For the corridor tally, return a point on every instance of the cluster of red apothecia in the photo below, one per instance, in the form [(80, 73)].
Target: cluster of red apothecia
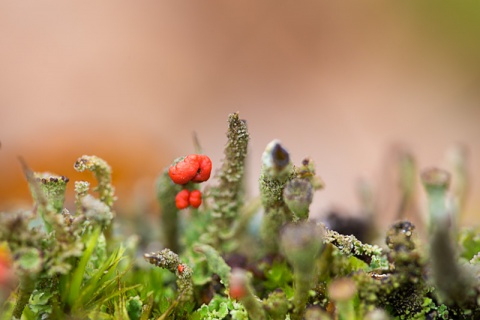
[(193, 168)]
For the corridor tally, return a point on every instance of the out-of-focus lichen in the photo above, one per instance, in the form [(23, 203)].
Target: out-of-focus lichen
[(301, 243), (227, 194), (215, 262), (166, 191), (81, 190), (407, 182), (342, 292), (298, 195), (240, 283), (457, 158), (455, 283), (167, 259), (276, 305)]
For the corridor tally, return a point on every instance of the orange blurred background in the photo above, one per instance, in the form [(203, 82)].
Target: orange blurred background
[(131, 81)]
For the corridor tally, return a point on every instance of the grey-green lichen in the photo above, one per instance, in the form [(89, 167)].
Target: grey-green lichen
[(351, 246), (167, 259), (215, 262), (286, 192), (53, 188), (102, 172), (277, 170), (227, 194)]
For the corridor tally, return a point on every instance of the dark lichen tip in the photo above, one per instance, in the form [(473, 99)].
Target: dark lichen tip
[(276, 159), (276, 156), (399, 236), (49, 178), (280, 156), (436, 178)]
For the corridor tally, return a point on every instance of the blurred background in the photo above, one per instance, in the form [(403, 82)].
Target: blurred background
[(344, 83)]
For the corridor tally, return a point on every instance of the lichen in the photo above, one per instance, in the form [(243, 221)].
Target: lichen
[(103, 173), (169, 260), (219, 260), (227, 193)]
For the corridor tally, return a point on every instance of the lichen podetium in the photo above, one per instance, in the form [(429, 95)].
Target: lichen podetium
[(227, 193)]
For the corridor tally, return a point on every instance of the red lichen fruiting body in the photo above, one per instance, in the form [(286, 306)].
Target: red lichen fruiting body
[(180, 268), (204, 170), (237, 291), (182, 199), (183, 171), (195, 198)]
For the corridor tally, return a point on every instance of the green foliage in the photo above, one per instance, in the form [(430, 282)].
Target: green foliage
[(279, 276), (469, 240), (221, 308)]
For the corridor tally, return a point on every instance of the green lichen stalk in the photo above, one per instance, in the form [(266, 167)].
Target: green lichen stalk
[(277, 170), (227, 194), (454, 282), (169, 260), (301, 244), (215, 262), (166, 191), (342, 291)]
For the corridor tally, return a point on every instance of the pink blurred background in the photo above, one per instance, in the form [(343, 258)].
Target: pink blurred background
[(131, 81)]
